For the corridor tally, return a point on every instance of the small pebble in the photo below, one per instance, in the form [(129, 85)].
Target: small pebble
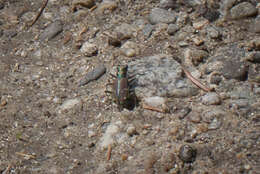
[(172, 29), (215, 79), (211, 99), (215, 124), (93, 75), (125, 31), (234, 69), (131, 130), (183, 112), (124, 157), (52, 30), (156, 102), (129, 49), (166, 4), (89, 49), (197, 41), (209, 115), (200, 24), (83, 3), (183, 44), (213, 33), (148, 29), (68, 104), (3, 103), (194, 117), (187, 153), (198, 56)]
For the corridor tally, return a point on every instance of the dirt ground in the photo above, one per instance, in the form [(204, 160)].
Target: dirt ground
[(51, 124)]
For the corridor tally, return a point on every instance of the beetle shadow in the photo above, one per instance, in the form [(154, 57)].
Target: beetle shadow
[(132, 101)]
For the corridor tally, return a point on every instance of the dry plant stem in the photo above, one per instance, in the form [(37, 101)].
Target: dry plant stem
[(25, 155), (195, 81), (93, 8), (145, 106), (109, 152), (39, 14)]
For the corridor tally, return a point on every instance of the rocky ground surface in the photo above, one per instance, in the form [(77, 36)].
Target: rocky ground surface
[(55, 116)]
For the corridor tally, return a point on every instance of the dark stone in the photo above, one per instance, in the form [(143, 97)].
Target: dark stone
[(187, 154), (211, 14)]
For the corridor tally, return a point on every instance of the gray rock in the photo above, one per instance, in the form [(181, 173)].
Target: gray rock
[(209, 115), (253, 73), (211, 99), (213, 32), (68, 104), (198, 56), (93, 75), (129, 49), (125, 31), (234, 69), (172, 28), (240, 103), (160, 75), (166, 4), (89, 49), (10, 33), (240, 93), (215, 79), (52, 30), (228, 61), (158, 15), (194, 117), (147, 30), (255, 26), (242, 10), (215, 124), (83, 3), (131, 130)]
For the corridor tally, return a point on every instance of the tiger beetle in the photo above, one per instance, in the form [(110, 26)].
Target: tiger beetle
[(122, 91)]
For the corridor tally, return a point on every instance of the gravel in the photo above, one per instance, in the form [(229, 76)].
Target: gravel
[(55, 116)]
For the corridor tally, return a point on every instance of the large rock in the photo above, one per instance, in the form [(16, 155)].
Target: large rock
[(242, 10), (158, 15), (160, 75)]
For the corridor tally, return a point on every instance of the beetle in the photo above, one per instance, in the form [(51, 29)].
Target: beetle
[(122, 91)]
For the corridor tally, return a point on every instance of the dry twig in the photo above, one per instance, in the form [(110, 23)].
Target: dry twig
[(145, 106), (40, 12), (26, 156), (195, 81), (109, 149)]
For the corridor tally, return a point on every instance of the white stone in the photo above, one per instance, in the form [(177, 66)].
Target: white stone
[(68, 104)]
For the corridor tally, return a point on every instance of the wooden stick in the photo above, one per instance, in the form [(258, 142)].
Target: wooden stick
[(145, 106), (109, 149), (39, 14), (195, 81), (26, 156)]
